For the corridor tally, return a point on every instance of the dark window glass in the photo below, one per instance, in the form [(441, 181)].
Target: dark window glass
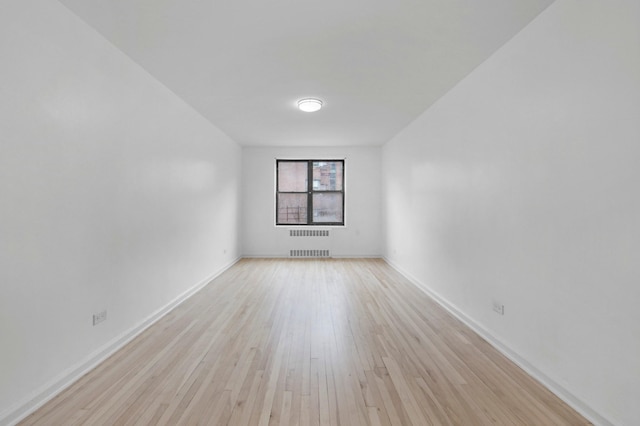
[(327, 175), (292, 176), (292, 208), (327, 208)]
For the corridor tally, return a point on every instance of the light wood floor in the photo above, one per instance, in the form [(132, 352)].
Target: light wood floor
[(309, 342)]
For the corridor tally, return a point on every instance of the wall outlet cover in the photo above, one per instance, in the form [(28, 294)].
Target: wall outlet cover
[(498, 307), (99, 317)]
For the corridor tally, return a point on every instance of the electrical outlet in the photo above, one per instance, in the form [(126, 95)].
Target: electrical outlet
[(498, 307), (99, 317)]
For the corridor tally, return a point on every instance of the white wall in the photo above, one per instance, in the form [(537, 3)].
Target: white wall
[(362, 234), (114, 194), (521, 186)]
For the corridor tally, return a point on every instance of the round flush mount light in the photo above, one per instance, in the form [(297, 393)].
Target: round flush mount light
[(309, 104)]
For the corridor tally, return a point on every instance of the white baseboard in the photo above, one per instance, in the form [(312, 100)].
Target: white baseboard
[(48, 391), (333, 256), (562, 393), (353, 256)]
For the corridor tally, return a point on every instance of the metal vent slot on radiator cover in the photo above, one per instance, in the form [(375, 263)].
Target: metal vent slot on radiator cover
[(308, 232), (309, 253)]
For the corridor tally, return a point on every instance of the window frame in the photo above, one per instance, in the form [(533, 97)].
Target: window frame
[(310, 191)]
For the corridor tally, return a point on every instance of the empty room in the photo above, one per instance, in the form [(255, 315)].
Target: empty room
[(319, 213)]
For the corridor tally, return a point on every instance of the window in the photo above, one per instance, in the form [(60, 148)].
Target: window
[(309, 192)]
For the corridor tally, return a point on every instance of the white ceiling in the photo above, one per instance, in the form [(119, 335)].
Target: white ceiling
[(243, 64)]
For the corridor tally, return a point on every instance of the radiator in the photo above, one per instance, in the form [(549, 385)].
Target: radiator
[(309, 253), (308, 232), (309, 243)]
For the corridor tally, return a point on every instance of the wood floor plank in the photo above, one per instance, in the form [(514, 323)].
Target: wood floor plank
[(307, 342)]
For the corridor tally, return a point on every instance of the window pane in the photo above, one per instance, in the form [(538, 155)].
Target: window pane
[(327, 208), (292, 176), (292, 208), (327, 175)]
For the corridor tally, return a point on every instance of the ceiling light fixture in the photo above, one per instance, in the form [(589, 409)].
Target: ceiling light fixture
[(309, 104)]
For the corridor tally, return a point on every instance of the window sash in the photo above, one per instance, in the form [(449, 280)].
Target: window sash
[(299, 214)]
